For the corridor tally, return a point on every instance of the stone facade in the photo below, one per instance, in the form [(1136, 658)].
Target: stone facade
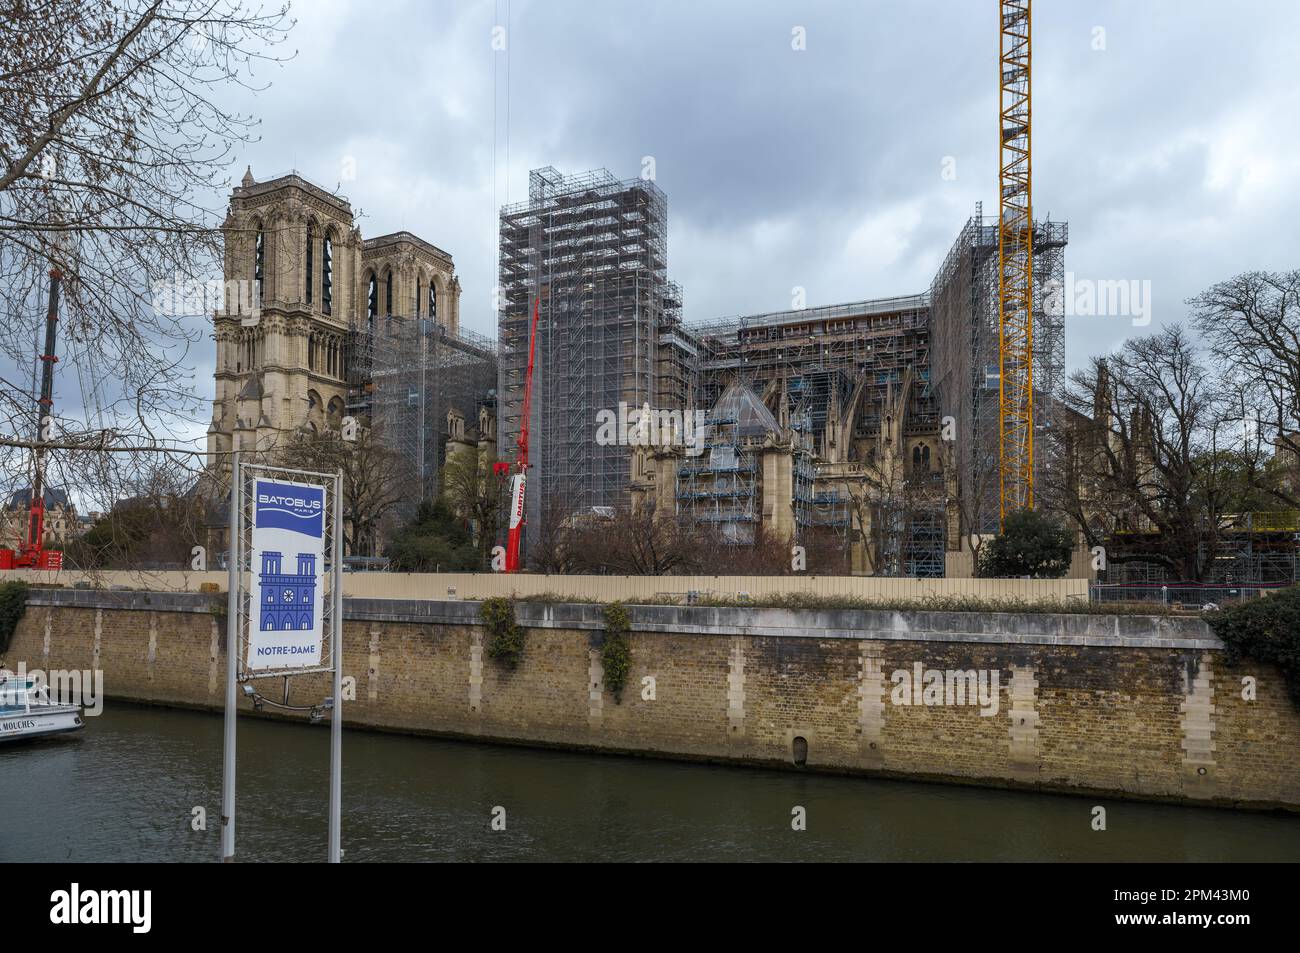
[(298, 278), (1128, 706)]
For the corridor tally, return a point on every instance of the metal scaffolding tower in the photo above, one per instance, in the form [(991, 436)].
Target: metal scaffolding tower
[(593, 249), (964, 326), (405, 375)]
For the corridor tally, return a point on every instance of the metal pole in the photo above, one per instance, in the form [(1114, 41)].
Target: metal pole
[(232, 664), (336, 651)]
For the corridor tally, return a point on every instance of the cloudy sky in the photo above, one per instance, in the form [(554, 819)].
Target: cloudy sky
[(1165, 132)]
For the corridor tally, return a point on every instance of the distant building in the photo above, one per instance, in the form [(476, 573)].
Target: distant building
[(62, 522)]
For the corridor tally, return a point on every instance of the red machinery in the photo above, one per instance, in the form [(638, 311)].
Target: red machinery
[(33, 554), (516, 531)]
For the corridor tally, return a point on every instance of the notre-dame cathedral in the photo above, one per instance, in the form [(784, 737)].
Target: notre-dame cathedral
[(282, 356)]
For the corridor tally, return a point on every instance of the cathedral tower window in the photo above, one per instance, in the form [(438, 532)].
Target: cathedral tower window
[(327, 274), (310, 238), (259, 258)]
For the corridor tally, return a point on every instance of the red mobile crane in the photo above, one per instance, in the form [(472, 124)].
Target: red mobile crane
[(33, 554), (516, 531)]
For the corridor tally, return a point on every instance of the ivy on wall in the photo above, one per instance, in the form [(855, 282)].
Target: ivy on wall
[(13, 603), (615, 652), (505, 641)]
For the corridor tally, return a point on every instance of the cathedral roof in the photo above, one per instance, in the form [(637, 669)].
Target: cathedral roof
[(21, 499), (249, 188), (252, 388), (376, 245), (741, 406)]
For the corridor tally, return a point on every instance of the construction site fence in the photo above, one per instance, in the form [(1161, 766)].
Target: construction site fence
[(684, 589), (1181, 594)]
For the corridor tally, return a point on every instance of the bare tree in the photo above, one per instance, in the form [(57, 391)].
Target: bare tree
[(635, 542), (1252, 326), (114, 151), (551, 543), (473, 489), (148, 522), (1153, 471), (376, 480), (711, 551), (972, 470)]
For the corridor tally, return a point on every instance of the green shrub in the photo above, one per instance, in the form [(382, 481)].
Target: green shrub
[(615, 652), (13, 603), (1030, 544), (505, 636), (1264, 630)]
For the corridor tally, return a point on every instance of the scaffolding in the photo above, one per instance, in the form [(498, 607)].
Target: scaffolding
[(964, 323), (405, 376), (593, 250), (723, 489), (924, 544), (820, 352), (1259, 548)]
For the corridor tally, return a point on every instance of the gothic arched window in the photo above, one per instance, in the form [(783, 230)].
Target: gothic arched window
[(433, 302), (259, 258), (372, 297), (388, 294), (327, 274), (310, 238)]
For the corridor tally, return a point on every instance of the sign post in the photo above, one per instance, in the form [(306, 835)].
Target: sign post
[(291, 526), (232, 668), (336, 713)]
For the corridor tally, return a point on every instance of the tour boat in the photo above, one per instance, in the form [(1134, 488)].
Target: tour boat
[(26, 710)]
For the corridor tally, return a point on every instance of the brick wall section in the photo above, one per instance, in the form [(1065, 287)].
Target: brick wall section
[(1114, 705)]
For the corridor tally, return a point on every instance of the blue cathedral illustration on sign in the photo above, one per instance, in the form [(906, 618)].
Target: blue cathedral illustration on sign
[(287, 598)]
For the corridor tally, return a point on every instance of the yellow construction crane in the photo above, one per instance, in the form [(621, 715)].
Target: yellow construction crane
[(1015, 265)]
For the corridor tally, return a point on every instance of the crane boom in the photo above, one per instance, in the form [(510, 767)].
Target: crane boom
[(32, 553), (517, 484), (1015, 264)]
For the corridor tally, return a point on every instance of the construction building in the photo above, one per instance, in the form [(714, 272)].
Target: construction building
[(825, 421), (848, 388), (964, 329), (426, 391), (591, 250)]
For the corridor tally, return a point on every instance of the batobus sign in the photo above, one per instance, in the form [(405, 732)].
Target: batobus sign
[(288, 561)]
